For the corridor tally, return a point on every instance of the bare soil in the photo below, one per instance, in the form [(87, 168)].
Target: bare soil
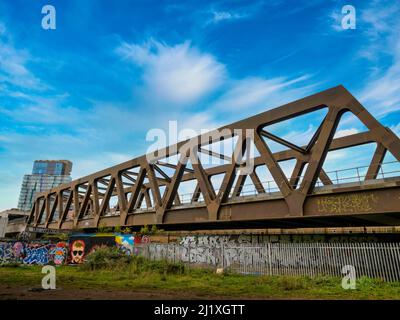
[(29, 293)]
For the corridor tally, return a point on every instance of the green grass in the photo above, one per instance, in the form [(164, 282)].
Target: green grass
[(158, 276)]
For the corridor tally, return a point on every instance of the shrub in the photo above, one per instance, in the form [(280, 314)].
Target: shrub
[(154, 229), (106, 258), (111, 258), (145, 230), (140, 264), (103, 228), (292, 283), (126, 230), (56, 237)]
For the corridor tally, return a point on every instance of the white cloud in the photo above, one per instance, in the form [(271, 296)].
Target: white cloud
[(396, 129), (179, 74), (200, 121), (219, 16), (42, 110), (336, 21), (383, 93), (90, 164), (337, 155), (379, 18), (13, 65), (345, 132), (254, 91), (116, 157), (300, 138)]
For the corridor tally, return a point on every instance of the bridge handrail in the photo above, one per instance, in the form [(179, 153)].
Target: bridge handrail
[(272, 189)]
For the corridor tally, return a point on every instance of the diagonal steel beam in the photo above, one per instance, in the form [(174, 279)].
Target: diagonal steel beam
[(376, 162), (215, 154), (282, 141)]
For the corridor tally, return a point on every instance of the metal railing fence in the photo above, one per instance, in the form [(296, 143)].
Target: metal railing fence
[(349, 175), (374, 260)]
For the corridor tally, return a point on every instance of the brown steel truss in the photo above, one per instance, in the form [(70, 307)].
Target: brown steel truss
[(138, 183)]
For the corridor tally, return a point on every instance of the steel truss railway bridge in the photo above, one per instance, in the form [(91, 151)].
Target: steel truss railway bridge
[(148, 190)]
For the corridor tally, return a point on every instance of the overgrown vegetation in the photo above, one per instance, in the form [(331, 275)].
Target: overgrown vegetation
[(56, 237), (145, 230), (141, 265), (109, 269), (124, 230), (103, 228), (111, 258), (181, 282), (106, 258)]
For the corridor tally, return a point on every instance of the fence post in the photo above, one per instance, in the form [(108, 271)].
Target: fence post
[(189, 255), (223, 255), (269, 258)]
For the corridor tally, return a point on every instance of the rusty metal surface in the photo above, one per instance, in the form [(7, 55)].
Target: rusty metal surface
[(138, 183)]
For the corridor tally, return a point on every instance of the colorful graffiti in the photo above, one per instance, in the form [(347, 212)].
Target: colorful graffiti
[(32, 253), (18, 249), (77, 251), (126, 243), (83, 244), (6, 253), (71, 252), (36, 255), (60, 253)]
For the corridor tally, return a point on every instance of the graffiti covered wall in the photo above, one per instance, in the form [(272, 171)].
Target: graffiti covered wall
[(80, 245), (208, 249), (33, 253), (218, 240), (83, 244), (73, 251)]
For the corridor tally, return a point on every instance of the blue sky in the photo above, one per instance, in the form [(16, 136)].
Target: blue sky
[(90, 90)]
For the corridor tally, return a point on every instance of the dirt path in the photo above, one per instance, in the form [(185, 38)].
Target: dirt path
[(29, 293)]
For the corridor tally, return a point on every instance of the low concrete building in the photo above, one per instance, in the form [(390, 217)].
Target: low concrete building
[(3, 226), (12, 222)]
